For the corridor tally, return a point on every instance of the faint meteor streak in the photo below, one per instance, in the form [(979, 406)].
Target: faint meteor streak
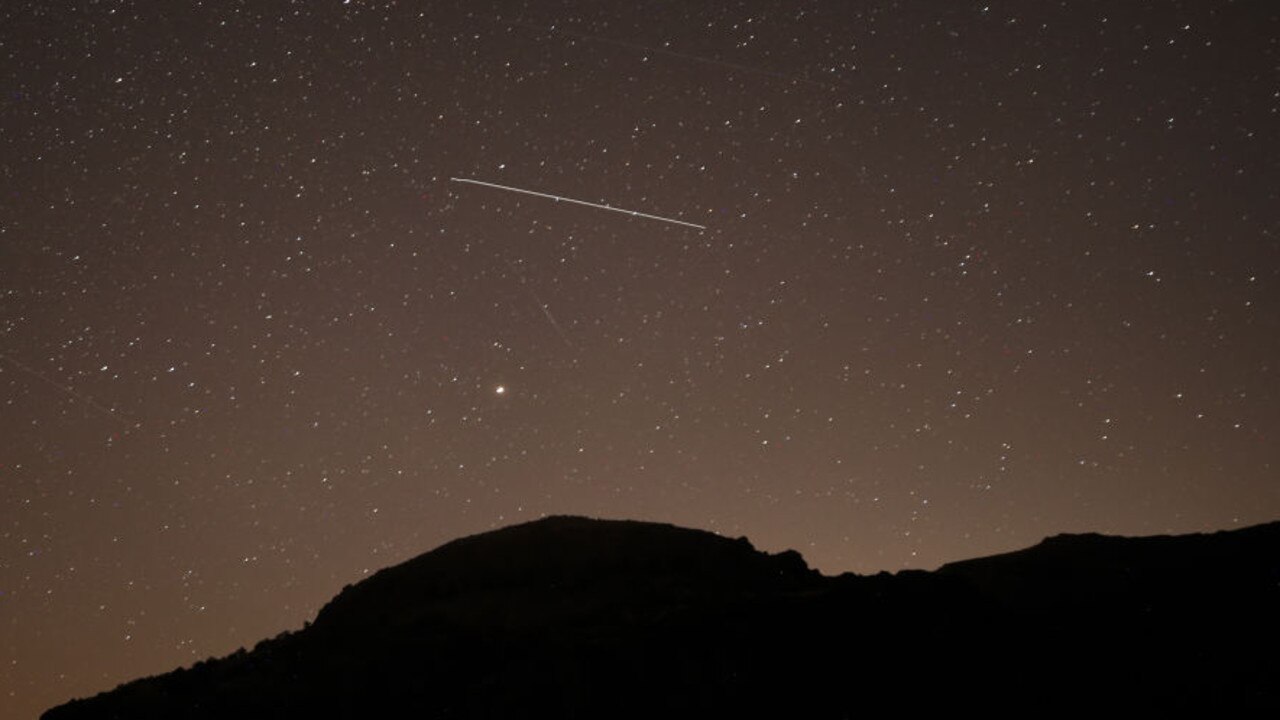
[(538, 301), (558, 198), (90, 402)]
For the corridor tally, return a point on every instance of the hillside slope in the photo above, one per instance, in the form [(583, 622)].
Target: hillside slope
[(571, 617)]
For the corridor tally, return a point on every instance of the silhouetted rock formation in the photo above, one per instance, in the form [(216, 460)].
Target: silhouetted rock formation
[(568, 617)]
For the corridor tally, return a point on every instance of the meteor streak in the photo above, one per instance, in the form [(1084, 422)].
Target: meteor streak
[(70, 392), (541, 305), (558, 198)]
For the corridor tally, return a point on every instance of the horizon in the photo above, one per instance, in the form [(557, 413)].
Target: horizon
[(1089, 591)]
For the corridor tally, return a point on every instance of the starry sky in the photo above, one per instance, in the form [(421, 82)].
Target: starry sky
[(967, 274)]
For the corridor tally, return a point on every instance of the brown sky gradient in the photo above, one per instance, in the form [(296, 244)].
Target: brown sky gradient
[(972, 274)]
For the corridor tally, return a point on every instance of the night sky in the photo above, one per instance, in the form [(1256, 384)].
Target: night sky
[(971, 274)]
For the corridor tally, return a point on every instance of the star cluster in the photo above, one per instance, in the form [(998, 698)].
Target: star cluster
[(971, 274)]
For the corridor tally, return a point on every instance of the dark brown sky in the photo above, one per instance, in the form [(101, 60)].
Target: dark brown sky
[(972, 274)]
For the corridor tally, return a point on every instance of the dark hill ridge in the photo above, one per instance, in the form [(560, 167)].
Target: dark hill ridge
[(570, 617), (1100, 570), (567, 561)]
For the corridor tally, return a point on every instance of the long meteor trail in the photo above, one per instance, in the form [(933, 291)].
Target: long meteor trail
[(558, 198)]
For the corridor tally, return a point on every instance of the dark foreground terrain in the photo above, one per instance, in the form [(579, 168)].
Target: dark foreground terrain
[(575, 618)]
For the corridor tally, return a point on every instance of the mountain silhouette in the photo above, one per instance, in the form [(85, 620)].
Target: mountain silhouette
[(570, 617)]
